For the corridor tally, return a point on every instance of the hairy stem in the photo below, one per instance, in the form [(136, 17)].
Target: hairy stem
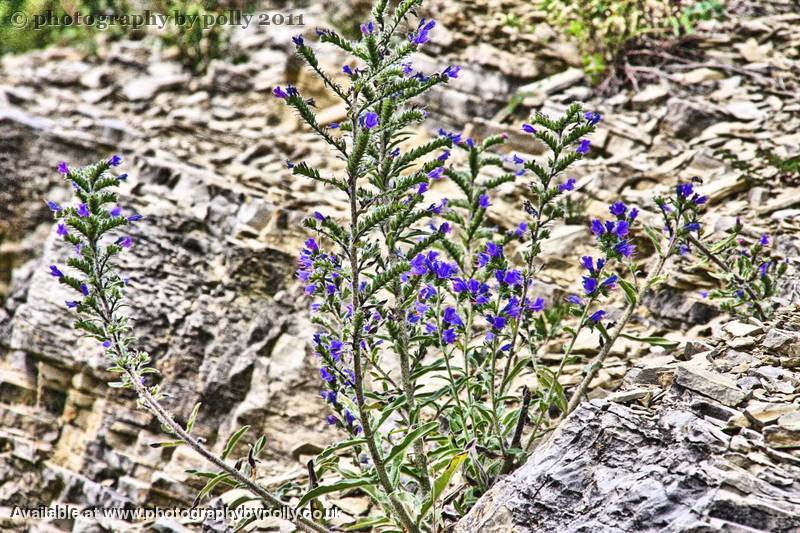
[(548, 397), (358, 371), (164, 417), (597, 363)]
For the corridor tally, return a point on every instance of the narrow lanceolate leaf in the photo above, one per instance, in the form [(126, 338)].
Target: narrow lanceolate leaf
[(386, 277), (377, 216), (655, 341), (193, 417), (232, 441), (339, 486), (441, 483), (167, 444), (418, 433), (630, 291), (216, 480)]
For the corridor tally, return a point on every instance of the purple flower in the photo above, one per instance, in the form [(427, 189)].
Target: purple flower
[(622, 228), (312, 245), (454, 137), (428, 291), (71, 304), (125, 242), (449, 336), (444, 228), (370, 120), (83, 211), (588, 263), (610, 282), (617, 209), (444, 156), (589, 285), (493, 249), (573, 299), (122, 177), (704, 294), (497, 322), (348, 417), (115, 161), (422, 32), (347, 70), (624, 248), (422, 188), (633, 214), (451, 317), (84, 289), (484, 201), (764, 240), (407, 68), (332, 420), (692, 226), (699, 200), (593, 117), (63, 168), (135, 218), (55, 272), (62, 230), (326, 375), (521, 229), (106, 344), (536, 305), (115, 212), (367, 28), (54, 207), (597, 316), (452, 71), (459, 285), (436, 173), (583, 147), (512, 308), (763, 269), (684, 189), (528, 128), (280, 93), (683, 249), (567, 185), (298, 40), (511, 277), (597, 227)]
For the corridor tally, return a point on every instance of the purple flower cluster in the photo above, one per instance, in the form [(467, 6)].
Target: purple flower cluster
[(424, 28), (612, 234)]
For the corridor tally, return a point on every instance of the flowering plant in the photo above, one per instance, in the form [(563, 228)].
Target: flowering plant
[(90, 227), (428, 330)]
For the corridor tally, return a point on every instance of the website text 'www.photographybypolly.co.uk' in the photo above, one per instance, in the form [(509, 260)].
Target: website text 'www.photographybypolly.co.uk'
[(147, 18), (142, 514)]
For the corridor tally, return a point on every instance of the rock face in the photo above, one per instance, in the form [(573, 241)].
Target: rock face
[(694, 456)]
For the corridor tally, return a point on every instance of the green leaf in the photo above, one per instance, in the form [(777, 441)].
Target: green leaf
[(232, 441), (655, 341), (418, 433), (193, 417), (167, 444), (213, 482), (339, 486), (330, 450), (630, 291), (441, 483)]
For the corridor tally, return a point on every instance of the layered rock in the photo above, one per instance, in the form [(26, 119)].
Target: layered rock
[(708, 444)]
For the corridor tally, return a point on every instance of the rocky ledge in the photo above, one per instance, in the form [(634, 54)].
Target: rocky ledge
[(708, 441)]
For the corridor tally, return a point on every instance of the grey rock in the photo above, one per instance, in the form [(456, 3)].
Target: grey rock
[(698, 376)]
